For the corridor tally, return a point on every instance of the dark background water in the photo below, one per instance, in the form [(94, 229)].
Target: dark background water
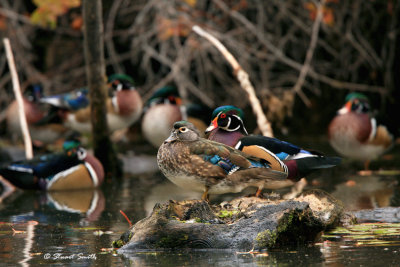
[(77, 228)]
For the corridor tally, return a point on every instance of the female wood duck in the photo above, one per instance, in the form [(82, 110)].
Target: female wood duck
[(163, 109), (72, 169), (227, 127), (202, 165), (41, 130), (124, 105), (353, 133)]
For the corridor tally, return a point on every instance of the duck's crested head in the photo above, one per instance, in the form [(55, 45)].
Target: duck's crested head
[(356, 102), (228, 110), (356, 95), (167, 94), (183, 131), (72, 147), (121, 81), (228, 118)]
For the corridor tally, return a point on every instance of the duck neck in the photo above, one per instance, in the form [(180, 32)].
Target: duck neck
[(225, 137)]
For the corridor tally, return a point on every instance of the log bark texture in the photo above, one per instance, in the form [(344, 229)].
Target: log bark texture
[(244, 223)]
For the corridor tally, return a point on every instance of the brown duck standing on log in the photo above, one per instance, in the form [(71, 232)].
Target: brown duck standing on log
[(202, 165)]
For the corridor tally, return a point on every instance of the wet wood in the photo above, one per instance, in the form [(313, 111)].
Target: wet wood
[(244, 223)]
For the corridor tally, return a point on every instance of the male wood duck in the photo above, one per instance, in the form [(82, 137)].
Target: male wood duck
[(227, 127), (124, 105), (46, 132), (354, 133), (74, 100), (163, 109), (202, 165), (72, 169)]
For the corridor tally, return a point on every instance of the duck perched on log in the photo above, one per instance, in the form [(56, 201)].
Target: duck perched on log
[(227, 127), (202, 165), (354, 133), (73, 168)]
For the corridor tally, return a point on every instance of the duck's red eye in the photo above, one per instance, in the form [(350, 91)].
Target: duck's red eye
[(223, 116)]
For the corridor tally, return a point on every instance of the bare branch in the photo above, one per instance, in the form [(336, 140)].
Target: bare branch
[(306, 67), (20, 101), (243, 78)]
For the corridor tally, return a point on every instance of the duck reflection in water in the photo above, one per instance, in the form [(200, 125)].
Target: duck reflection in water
[(83, 206)]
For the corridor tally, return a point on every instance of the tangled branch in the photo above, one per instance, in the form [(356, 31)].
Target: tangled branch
[(287, 48)]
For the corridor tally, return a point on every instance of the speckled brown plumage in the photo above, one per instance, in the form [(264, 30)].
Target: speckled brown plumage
[(181, 158)]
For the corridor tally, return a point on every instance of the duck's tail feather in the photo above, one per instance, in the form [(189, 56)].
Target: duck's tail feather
[(301, 167)]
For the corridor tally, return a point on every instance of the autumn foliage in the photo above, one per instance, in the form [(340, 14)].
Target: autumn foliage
[(47, 11)]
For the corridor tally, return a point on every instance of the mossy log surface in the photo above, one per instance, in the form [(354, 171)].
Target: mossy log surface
[(243, 223)]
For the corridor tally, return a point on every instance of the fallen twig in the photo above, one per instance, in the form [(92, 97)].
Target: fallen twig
[(126, 217)]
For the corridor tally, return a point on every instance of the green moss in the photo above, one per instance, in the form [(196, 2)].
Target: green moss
[(227, 213), (266, 239), (286, 221), (198, 220), (173, 241), (290, 231), (117, 243), (124, 239)]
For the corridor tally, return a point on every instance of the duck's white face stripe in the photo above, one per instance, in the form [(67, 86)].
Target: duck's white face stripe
[(93, 174), (237, 128), (228, 124), (81, 153), (115, 103), (343, 111), (373, 129), (241, 124)]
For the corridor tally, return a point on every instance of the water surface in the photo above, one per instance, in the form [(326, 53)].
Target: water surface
[(77, 228)]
